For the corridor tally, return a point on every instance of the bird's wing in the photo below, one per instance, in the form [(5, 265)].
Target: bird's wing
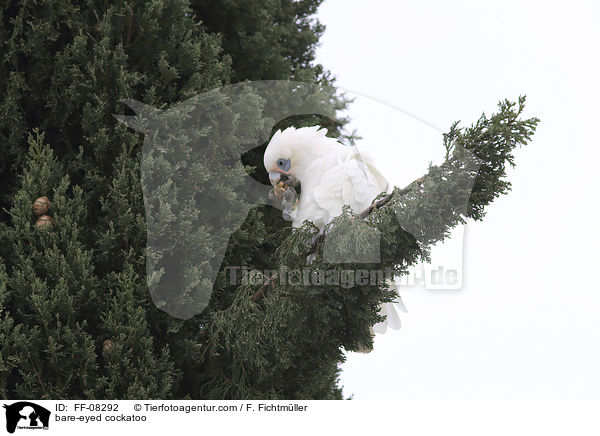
[(369, 162), (349, 182)]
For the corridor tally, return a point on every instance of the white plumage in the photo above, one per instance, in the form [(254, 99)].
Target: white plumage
[(331, 175)]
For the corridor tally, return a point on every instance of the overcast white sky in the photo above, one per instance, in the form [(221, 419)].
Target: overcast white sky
[(525, 324)]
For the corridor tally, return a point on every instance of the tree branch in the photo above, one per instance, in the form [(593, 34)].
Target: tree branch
[(380, 203), (37, 373), (259, 295)]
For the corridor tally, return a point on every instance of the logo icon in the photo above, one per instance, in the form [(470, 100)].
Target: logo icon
[(26, 415)]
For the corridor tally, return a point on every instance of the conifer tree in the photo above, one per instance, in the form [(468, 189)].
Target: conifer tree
[(76, 316)]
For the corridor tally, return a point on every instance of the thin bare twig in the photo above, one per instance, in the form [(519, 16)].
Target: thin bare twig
[(258, 295), (37, 374)]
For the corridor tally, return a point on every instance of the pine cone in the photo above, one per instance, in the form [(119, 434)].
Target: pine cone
[(41, 206), (44, 222), (107, 345)]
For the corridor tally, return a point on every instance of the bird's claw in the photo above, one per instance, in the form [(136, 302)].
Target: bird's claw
[(285, 192)]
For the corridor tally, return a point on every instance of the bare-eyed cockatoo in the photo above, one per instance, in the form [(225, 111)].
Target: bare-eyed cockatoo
[(331, 175)]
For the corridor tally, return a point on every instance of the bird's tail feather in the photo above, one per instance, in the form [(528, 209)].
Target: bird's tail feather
[(392, 319)]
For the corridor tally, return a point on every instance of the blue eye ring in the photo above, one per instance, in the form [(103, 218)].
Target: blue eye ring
[(284, 164)]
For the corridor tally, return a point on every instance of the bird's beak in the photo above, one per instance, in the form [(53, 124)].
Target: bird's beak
[(274, 177)]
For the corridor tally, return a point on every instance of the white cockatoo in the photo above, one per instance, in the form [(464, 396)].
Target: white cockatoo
[(331, 175)]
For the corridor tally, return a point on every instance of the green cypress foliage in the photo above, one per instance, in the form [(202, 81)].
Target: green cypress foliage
[(52, 285), (76, 316), (267, 40)]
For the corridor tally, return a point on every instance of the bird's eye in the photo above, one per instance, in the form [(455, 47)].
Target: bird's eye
[(284, 164)]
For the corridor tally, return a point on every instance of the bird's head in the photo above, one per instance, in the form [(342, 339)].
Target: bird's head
[(290, 152)]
